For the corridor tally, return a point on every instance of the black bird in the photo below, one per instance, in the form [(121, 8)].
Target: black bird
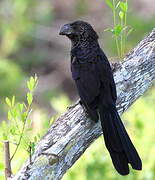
[(96, 87)]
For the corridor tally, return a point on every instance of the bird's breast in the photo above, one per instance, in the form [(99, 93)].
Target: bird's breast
[(79, 70)]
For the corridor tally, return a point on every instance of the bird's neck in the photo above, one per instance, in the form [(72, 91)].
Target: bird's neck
[(85, 49)]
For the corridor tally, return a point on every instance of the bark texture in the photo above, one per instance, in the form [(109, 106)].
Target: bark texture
[(73, 132)]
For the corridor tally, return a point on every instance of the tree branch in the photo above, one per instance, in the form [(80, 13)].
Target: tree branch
[(8, 171), (73, 132)]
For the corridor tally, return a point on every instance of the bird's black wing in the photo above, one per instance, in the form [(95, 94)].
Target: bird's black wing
[(88, 84), (106, 76)]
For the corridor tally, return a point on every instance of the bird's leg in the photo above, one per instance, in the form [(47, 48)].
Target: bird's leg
[(79, 102), (84, 108)]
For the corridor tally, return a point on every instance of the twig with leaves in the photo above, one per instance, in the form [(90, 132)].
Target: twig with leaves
[(19, 122), (120, 28)]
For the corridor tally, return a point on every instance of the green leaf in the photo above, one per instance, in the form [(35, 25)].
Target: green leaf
[(117, 30), (35, 139), (117, 5), (32, 81), (5, 128), (29, 122), (8, 102), (32, 145), (108, 29), (5, 136), (13, 101), (124, 6), (52, 120), (29, 86), (29, 98), (121, 15), (14, 112), (110, 4), (36, 78), (24, 116), (13, 131), (9, 115), (20, 107), (129, 32)]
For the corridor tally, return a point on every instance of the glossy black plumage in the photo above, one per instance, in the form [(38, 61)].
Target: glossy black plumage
[(96, 87)]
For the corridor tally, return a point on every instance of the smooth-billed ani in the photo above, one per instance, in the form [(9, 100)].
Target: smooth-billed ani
[(96, 87)]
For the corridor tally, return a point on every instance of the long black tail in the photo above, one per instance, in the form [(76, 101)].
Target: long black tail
[(117, 141)]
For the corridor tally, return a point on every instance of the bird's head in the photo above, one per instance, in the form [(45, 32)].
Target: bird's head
[(79, 31)]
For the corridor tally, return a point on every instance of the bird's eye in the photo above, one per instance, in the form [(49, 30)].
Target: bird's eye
[(74, 28), (78, 29), (81, 29)]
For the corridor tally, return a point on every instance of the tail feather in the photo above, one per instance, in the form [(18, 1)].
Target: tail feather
[(118, 142), (120, 162), (128, 146)]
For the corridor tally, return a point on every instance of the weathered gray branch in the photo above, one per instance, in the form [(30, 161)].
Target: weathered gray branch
[(73, 132)]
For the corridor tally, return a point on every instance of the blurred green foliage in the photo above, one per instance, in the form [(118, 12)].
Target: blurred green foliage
[(18, 19), (9, 80), (120, 29), (140, 28)]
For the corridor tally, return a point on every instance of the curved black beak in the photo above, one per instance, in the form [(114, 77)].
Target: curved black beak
[(66, 30)]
